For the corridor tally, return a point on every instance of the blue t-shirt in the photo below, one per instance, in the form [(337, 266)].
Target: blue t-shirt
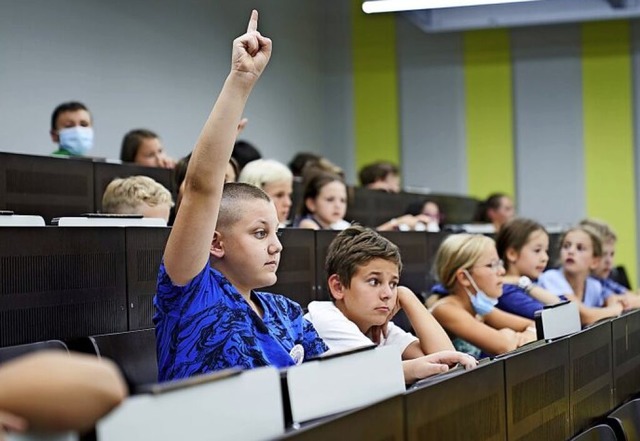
[(553, 280), (516, 301), (612, 286), (207, 326)]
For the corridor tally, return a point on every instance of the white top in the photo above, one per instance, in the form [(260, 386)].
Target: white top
[(341, 334)]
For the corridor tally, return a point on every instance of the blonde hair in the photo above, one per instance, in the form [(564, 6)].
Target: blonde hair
[(592, 232), (264, 171), (125, 195), (605, 231), (458, 251)]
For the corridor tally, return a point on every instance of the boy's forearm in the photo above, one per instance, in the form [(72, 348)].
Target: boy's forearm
[(216, 140), (432, 336)]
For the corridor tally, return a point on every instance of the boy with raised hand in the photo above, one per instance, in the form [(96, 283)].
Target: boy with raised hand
[(364, 270), (223, 245)]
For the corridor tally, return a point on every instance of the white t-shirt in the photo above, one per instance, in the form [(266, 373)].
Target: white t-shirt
[(341, 334)]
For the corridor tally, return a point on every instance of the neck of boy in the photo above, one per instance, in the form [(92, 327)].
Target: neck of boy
[(363, 327)]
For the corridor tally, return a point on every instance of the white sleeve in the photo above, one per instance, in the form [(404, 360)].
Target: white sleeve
[(554, 282), (397, 336), (338, 332)]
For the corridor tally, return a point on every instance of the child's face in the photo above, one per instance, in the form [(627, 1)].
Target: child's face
[(280, 193), (372, 295), (488, 272), (504, 212), (603, 270), (251, 246), (150, 152), (576, 253), (532, 258), (330, 205)]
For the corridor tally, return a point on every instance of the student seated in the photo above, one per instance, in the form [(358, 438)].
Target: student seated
[(604, 268), (52, 391), (72, 129), (364, 270), (522, 245), (137, 195), (143, 147), (580, 253), (497, 209), (381, 175), (222, 247), (275, 179), (180, 172), (324, 202), (471, 273)]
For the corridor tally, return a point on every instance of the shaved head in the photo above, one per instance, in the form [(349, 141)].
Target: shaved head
[(233, 205)]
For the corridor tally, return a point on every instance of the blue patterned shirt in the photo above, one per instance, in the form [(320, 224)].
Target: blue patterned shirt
[(207, 326)]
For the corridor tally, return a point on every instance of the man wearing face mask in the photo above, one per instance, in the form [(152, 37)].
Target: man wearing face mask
[(72, 129)]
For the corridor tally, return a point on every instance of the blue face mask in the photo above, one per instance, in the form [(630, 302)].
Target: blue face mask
[(482, 303), (76, 140)]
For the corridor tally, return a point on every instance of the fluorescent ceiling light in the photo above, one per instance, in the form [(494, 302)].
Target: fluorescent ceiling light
[(374, 6)]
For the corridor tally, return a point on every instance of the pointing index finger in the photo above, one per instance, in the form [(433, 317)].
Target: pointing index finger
[(253, 22)]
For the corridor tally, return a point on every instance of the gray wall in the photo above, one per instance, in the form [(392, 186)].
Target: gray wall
[(159, 64)]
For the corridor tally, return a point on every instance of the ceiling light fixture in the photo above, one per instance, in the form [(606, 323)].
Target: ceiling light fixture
[(376, 6)]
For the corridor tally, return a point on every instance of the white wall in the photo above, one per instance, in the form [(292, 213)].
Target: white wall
[(159, 64)]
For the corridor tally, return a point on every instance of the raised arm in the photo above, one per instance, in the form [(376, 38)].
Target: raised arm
[(187, 250), (431, 335)]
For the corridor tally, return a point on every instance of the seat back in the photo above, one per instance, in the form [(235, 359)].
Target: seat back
[(134, 352), (10, 352), (601, 432), (626, 419)]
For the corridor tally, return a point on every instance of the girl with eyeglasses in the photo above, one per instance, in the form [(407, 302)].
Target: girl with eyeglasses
[(468, 267)]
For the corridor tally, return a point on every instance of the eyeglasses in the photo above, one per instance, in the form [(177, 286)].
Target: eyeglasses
[(494, 266)]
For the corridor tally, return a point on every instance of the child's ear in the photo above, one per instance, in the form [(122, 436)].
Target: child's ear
[(595, 262), (511, 254), (310, 203), (462, 278), (336, 287), (217, 246)]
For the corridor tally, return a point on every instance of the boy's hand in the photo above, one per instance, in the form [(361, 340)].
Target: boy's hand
[(452, 358), (251, 51)]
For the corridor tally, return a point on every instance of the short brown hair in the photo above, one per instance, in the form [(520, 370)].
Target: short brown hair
[(356, 246), (378, 171), (515, 234), (132, 142)]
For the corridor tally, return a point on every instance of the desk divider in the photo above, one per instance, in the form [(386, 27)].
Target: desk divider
[(327, 386), (246, 406), (467, 405)]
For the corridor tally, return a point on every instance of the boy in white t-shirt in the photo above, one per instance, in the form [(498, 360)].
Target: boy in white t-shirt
[(364, 271)]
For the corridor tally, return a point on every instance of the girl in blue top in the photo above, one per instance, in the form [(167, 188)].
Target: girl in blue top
[(523, 245)]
